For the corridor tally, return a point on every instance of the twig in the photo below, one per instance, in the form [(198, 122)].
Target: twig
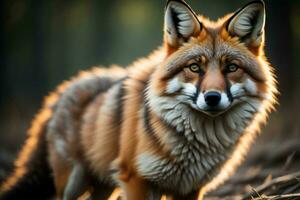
[(287, 179), (279, 197)]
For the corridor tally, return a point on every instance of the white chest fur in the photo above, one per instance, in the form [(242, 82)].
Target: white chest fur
[(199, 145)]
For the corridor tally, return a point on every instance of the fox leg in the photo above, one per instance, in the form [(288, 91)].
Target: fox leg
[(134, 188), (101, 191), (154, 194), (61, 172), (137, 189), (201, 194), (191, 196), (78, 183)]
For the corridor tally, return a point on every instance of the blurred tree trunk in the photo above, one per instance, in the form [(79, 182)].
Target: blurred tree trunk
[(103, 11), (279, 31), (2, 52), (38, 17)]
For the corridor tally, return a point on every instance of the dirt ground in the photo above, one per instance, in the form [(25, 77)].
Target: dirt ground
[(271, 171)]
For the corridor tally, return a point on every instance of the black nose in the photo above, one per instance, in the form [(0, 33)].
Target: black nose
[(212, 98)]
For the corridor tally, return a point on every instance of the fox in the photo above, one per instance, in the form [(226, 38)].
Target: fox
[(173, 125)]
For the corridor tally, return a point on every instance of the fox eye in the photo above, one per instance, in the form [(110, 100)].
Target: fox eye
[(231, 68), (195, 68)]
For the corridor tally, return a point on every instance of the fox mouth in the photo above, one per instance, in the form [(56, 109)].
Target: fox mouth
[(210, 111), (213, 112)]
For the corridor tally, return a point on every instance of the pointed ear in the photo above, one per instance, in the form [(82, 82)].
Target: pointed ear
[(248, 24), (181, 23)]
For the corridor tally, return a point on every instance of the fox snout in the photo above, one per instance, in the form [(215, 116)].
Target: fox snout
[(213, 102), (212, 98)]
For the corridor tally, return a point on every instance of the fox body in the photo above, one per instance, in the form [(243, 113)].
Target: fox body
[(177, 123)]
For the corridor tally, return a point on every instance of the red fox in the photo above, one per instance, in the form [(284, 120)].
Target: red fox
[(175, 124)]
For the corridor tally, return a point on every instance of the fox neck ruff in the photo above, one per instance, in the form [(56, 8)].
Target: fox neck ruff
[(199, 144)]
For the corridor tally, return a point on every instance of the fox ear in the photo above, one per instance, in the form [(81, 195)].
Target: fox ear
[(181, 23), (248, 24)]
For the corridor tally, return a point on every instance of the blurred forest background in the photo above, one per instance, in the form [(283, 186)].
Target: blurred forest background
[(43, 43)]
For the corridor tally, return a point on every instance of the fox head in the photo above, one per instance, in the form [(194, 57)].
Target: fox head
[(212, 66)]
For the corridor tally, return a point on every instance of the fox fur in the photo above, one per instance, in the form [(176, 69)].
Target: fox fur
[(177, 123)]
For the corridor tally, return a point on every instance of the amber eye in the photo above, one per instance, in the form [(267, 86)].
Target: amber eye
[(194, 68), (232, 68)]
